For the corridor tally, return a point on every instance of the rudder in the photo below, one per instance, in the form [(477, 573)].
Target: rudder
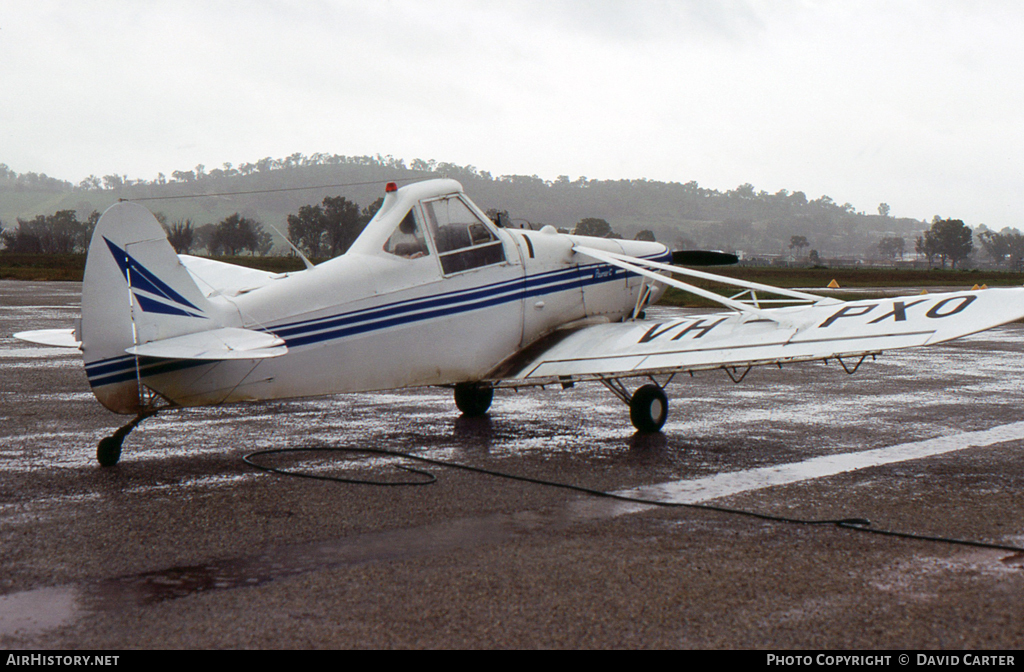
[(135, 290)]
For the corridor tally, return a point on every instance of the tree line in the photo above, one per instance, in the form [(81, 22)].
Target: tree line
[(950, 241), (63, 233), (59, 233), (321, 230), (1004, 246), (328, 229), (261, 167)]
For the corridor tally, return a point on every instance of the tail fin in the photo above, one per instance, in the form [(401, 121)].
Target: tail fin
[(135, 291)]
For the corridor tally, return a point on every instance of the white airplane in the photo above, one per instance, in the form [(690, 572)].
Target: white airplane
[(433, 293)]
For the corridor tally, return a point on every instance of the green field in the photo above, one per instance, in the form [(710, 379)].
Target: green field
[(72, 266), (870, 277), (816, 280), (41, 266)]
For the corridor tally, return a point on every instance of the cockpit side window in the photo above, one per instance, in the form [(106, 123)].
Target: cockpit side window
[(462, 240), (408, 241)]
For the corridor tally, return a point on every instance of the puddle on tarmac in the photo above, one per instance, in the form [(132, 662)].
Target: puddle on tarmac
[(153, 587), (34, 612)]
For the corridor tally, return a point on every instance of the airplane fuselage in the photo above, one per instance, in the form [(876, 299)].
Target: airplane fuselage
[(380, 318)]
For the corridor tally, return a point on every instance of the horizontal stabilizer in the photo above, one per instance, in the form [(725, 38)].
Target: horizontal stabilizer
[(58, 338), (216, 344)]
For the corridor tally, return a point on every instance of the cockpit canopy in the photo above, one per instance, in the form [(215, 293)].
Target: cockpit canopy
[(439, 221)]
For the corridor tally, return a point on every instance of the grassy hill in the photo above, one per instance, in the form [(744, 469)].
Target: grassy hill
[(682, 215)]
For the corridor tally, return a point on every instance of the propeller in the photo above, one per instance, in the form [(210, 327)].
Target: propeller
[(703, 258)]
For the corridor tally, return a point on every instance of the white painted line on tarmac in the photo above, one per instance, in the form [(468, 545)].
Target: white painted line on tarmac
[(731, 483)]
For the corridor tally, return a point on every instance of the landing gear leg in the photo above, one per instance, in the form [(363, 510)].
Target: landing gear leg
[(108, 452), (473, 399)]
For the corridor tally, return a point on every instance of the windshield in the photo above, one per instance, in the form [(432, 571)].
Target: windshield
[(462, 239)]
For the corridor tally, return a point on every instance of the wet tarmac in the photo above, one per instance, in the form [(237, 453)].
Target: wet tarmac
[(184, 545)]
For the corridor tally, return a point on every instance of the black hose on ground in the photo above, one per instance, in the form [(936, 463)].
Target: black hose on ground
[(856, 524)]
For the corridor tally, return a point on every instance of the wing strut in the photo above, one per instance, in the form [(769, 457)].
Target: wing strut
[(643, 266)]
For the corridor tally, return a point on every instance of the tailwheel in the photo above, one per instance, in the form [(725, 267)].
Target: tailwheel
[(108, 452), (473, 399), (648, 409)]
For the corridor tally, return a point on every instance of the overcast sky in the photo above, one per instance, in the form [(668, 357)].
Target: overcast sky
[(919, 104)]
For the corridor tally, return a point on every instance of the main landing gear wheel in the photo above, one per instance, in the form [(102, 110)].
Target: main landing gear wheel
[(648, 409), (473, 400)]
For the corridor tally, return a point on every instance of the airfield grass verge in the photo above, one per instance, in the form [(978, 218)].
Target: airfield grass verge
[(41, 266), (821, 276), (866, 283), (72, 266)]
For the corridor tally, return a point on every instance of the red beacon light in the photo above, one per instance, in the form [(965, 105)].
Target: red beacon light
[(391, 186)]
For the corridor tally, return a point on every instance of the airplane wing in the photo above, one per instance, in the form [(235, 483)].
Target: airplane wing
[(711, 341), (751, 335)]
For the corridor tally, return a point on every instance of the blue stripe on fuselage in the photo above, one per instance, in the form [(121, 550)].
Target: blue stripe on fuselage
[(307, 332)]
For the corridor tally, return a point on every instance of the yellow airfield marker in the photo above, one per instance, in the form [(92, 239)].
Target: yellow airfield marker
[(833, 284)]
